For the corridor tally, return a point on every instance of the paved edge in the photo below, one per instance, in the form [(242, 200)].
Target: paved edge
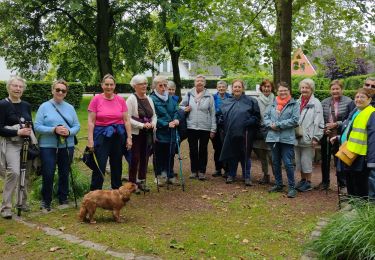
[(85, 243)]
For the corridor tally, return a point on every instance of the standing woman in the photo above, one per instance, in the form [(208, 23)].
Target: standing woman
[(241, 121), (311, 126), (167, 121), (108, 132), (335, 111), (57, 124), (201, 125), (261, 149), (14, 114), (280, 119), (143, 122), (359, 132)]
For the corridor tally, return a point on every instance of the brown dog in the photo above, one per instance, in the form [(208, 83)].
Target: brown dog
[(113, 200)]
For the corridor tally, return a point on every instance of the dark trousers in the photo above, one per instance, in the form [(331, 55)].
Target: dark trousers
[(357, 183), (245, 165), (49, 158), (198, 141), (217, 144), (139, 157), (111, 147), (327, 149), (164, 155)]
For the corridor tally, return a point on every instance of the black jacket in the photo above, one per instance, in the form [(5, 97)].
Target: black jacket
[(239, 115)]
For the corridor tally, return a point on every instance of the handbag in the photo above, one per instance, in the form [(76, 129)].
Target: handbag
[(345, 155), (33, 152), (66, 121), (299, 131)]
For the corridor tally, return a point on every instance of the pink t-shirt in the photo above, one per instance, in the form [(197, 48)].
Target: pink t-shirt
[(108, 112)]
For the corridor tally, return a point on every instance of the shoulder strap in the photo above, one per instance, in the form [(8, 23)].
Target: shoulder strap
[(66, 121)]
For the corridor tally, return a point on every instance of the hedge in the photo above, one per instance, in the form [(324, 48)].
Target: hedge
[(38, 92), (120, 88), (322, 94)]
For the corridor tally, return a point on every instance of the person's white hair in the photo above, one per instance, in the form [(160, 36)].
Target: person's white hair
[(157, 80), (16, 78), (308, 82), (137, 79), (171, 84), (200, 76)]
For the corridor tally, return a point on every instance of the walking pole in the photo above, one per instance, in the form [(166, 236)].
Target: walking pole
[(246, 132), (169, 157), (180, 160), (154, 162), (329, 162), (71, 174), (23, 166)]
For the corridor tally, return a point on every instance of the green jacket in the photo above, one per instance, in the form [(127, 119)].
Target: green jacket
[(166, 111)]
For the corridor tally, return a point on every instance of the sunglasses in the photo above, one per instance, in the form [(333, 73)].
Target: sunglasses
[(369, 85), (60, 90)]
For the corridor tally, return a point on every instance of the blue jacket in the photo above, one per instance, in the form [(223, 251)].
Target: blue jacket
[(47, 119), (286, 123), (218, 100), (166, 111)]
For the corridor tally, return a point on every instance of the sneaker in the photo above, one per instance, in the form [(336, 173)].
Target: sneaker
[(201, 176), (173, 181), (217, 173), (265, 179), (230, 179), (226, 174), (143, 187), (160, 181), (193, 175), (305, 187), (276, 188), (322, 186), (63, 205), (45, 209), (292, 193), (248, 182), (24, 208), (7, 214), (300, 184)]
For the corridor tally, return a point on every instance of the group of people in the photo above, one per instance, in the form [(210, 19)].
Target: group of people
[(273, 125)]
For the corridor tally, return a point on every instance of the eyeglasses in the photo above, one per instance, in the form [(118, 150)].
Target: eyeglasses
[(141, 84), (361, 97), (60, 90), (17, 86), (369, 85)]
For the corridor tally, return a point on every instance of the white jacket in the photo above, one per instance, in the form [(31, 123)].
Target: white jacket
[(132, 104)]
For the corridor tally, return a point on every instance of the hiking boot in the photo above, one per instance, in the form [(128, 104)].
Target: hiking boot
[(202, 176), (193, 175), (265, 179), (7, 214), (322, 186), (292, 193), (230, 179), (276, 188), (217, 173), (300, 184), (305, 187), (248, 182)]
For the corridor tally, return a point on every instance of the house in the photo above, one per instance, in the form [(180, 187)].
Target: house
[(5, 73), (301, 65), (188, 70)]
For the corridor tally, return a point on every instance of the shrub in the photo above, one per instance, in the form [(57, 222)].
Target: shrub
[(38, 92), (322, 94), (81, 185), (356, 82), (348, 235), (120, 88)]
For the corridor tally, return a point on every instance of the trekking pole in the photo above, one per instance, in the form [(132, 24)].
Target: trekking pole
[(23, 166), (246, 131), (71, 174), (154, 162), (169, 157), (180, 160), (329, 161)]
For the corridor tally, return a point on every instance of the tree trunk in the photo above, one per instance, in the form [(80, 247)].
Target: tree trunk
[(102, 41), (175, 56), (285, 40)]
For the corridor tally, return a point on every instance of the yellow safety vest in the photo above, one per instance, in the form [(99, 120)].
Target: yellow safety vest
[(357, 142)]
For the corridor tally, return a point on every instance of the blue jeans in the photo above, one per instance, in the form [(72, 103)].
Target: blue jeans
[(233, 164), (49, 158), (371, 185), (284, 152)]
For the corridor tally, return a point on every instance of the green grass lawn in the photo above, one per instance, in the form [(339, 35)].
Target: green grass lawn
[(210, 220)]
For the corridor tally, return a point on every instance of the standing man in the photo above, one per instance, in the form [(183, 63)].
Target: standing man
[(217, 141)]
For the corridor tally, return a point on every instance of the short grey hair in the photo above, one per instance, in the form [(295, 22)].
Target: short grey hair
[(171, 84), (16, 78), (138, 79), (222, 82), (157, 80), (370, 78), (308, 82), (200, 76)]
